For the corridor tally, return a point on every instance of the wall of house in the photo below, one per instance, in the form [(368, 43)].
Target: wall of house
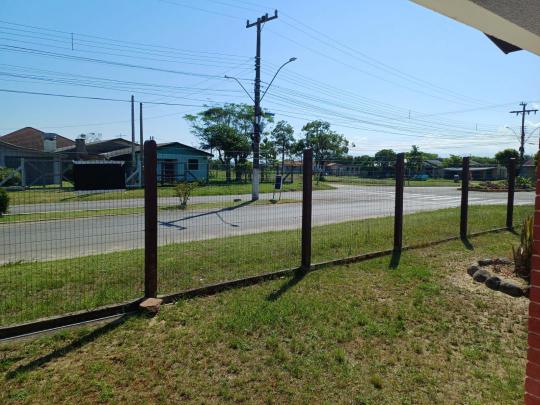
[(39, 168), (181, 156)]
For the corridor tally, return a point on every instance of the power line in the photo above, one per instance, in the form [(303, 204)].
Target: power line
[(123, 43), (94, 98)]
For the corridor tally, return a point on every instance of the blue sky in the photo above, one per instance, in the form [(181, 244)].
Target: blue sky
[(386, 74)]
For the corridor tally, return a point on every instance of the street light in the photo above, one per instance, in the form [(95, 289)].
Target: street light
[(272, 81), (256, 124), (515, 133)]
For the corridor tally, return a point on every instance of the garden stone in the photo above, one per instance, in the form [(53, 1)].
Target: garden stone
[(493, 283), (481, 276), (511, 289), (472, 269), (485, 262), (502, 260)]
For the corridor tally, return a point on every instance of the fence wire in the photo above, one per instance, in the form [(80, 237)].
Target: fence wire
[(65, 250), (222, 234), (353, 208)]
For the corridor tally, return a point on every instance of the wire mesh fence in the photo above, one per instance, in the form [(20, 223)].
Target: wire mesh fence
[(65, 250), (353, 208), (223, 234)]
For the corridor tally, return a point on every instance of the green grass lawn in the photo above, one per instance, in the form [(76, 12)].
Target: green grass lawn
[(59, 215), (36, 196), (36, 289), (390, 182), (421, 333)]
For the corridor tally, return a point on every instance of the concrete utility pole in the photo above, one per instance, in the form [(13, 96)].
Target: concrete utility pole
[(133, 164), (523, 111), (141, 147), (257, 101)]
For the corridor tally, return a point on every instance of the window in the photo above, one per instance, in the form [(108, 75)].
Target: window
[(193, 164)]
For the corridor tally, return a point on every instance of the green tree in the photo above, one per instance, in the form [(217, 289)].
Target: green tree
[(385, 158), (326, 143), (282, 137), (452, 161), (503, 157), (228, 131), (415, 159)]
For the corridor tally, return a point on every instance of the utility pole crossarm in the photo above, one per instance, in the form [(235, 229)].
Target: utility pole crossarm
[(262, 20), (523, 112)]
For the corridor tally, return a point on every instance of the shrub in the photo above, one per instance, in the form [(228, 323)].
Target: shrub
[(523, 253), (523, 182), (4, 201), (183, 191), (14, 177)]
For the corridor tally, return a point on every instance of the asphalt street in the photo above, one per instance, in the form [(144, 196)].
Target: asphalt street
[(45, 240)]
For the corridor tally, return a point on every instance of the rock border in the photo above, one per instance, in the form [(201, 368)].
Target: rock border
[(493, 282)]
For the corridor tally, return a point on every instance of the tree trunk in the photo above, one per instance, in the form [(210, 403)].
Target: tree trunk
[(228, 171)]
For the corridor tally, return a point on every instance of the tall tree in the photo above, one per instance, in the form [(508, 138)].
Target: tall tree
[(228, 131), (415, 159), (503, 157), (385, 160), (326, 143), (283, 138)]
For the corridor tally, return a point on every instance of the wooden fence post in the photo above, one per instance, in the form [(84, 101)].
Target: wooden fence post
[(398, 212), (465, 173), (150, 219), (511, 191), (307, 209)]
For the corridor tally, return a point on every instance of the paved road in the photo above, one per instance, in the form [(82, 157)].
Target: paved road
[(77, 237)]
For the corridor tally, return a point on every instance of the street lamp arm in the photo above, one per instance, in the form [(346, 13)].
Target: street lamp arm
[(531, 133), (271, 81), (241, 85)]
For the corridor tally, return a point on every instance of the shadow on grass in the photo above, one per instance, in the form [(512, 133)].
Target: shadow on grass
[(394, 260), (467, 243), (274, 296), (74, 345), (173, 224)]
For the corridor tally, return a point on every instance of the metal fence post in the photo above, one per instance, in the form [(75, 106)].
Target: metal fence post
[(511, 191), (307, 209), (150, 219), (465, 173), (398, 213)]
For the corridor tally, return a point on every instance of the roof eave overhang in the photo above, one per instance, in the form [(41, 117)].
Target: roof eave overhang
[(486, 21)]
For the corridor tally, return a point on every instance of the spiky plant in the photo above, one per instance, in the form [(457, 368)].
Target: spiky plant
[(523, 253)]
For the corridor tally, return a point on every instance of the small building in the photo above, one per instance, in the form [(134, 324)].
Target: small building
[(478, 173), (34, 167), (433, 168), (176, 161), (292, 166), (528, 169), (34, 139)]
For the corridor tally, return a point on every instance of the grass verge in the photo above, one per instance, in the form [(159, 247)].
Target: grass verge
[(58, 215), (34, 196), (36, 289), (421, 333), (358, 181)]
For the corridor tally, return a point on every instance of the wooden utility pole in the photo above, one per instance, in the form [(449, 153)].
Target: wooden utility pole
[(257, 100), (523, 111)]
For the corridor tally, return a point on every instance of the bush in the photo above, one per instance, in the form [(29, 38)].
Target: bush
[(523, 253), (14, 176), (183, 191), (523, 182), (4, 201)]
